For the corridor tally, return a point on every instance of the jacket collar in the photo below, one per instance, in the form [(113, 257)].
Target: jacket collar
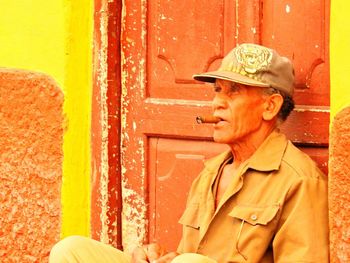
[(267, 157)]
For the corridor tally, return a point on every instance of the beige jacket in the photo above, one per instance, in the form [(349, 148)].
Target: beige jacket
[(275, 209)]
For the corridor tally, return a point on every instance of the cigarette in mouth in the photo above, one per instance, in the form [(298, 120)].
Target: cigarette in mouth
[(207, 119)]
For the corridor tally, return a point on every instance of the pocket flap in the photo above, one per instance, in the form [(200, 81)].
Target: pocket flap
[(255, 215), (190, 217)]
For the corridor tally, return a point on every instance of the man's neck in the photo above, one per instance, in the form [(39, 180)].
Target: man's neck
[(243, 149)]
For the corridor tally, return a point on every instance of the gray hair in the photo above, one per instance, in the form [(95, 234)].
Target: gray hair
[(287, 106)]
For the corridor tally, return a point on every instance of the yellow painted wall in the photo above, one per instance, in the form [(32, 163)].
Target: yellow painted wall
[(340, 55), (55, 37), (78, 82), (32, 36)]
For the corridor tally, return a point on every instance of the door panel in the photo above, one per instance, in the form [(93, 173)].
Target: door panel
[(163, 44), (300, 31), (173, 164)]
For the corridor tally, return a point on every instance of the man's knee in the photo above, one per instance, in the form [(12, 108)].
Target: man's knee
[(65, 247), (193, 258), (80, 249)]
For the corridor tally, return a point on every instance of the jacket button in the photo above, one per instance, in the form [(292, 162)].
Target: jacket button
[(253, 217)]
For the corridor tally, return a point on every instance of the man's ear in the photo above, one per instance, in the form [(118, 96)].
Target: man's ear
[(272, 106)]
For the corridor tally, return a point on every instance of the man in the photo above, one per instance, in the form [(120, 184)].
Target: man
[(262, 201)]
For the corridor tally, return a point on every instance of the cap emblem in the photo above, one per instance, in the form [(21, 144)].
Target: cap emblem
[(253, 58)]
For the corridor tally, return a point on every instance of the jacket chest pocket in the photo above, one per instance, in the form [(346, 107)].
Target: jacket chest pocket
[(255, 215), (254, 227)]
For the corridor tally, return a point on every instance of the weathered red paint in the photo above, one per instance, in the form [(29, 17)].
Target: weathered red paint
[(300, 30), (106, 103), (133, 141), (31, 139), (96, 131), (113, 103), (339, 185)]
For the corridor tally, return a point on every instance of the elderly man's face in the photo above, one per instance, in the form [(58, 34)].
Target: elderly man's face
[(240, 107)]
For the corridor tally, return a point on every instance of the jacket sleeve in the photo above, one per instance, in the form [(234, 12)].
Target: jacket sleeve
[(193, 197), (302, 233)]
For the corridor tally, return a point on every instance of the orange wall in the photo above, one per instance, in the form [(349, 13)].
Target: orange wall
[(339, 187), (31, 138)]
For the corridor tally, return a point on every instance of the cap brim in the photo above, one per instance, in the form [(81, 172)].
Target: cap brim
[(211, 77)]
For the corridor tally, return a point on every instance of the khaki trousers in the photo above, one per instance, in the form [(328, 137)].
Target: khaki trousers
[(78, 249)]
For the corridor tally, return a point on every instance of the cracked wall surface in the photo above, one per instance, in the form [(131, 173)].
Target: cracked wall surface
[(31, 136), (339, 186)]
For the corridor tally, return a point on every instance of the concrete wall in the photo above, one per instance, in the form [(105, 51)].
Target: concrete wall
[(339, 187), (31, 139)]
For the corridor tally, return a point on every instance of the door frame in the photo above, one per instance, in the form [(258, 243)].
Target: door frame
[(106, 201)]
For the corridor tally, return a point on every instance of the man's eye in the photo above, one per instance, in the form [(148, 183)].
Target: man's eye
[(217, 88), (233, 88)]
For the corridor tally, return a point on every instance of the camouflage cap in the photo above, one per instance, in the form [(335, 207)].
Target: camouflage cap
[(254, 65)]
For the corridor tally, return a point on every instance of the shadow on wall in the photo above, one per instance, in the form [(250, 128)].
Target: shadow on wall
[(31, 155)]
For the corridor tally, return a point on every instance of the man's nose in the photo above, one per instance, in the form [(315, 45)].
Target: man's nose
[(218, 102)]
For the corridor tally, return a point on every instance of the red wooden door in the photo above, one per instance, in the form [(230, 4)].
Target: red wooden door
[(163, 44)]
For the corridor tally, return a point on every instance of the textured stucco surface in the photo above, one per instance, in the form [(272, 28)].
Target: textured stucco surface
[(339, 187), (31, 137)]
